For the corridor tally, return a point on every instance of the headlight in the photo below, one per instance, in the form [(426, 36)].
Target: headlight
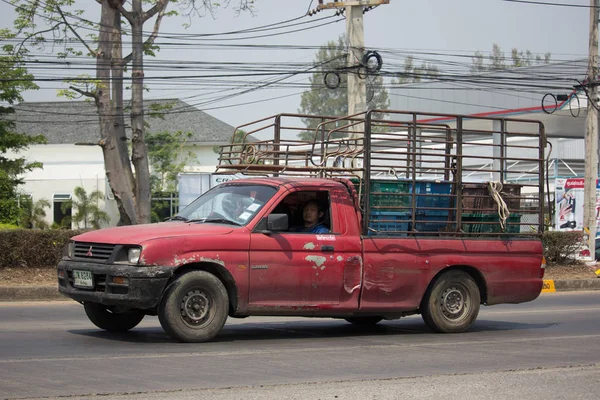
[(133, 255), (70, 249)]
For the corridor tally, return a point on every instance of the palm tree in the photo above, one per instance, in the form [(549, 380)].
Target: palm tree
[(33, 214), (87, 210)]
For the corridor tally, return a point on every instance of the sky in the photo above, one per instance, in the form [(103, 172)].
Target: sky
[(431, 30)]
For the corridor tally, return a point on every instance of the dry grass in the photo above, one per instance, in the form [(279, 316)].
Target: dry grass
[(28, 277)]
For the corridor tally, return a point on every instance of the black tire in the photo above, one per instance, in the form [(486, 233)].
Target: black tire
[(364, 321), (103, 318), (194, 307), (452, 303)]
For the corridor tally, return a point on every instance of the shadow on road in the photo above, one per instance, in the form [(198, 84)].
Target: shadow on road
[(309, 329)]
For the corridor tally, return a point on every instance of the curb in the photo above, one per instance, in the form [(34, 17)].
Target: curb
[(44, 293), (551, 286), (30, 293)]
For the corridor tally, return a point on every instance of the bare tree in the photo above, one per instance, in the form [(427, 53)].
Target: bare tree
[(129, 180)]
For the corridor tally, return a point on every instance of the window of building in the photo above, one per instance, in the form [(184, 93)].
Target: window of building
[(62, 209)]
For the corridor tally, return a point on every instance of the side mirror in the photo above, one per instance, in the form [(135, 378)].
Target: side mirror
[(277, 222), (273, 223)]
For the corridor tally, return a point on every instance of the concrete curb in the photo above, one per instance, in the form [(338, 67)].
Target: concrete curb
[(45, 293), (576, 284), (30, 293)]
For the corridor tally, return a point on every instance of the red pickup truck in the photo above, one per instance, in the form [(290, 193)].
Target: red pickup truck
[(388, 248)]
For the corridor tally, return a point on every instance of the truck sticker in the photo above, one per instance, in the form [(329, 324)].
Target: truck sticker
[(329, 238), (245, 215), (253, 207)]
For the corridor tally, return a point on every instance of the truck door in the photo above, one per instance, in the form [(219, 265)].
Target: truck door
[(302, 269)]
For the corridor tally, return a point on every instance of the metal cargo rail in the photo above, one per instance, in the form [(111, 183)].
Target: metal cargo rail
[(417, 174)]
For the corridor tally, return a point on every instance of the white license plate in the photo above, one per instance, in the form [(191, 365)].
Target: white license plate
[(83, 279)]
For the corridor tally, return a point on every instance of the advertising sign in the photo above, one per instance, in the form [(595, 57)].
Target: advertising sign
[(569, 195)]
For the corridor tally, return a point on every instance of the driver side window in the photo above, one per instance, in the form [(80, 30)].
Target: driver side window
[(307, 211)]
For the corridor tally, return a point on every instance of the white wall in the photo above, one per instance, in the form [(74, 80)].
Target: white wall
[(203, 155), (67, 166), (64, 168)]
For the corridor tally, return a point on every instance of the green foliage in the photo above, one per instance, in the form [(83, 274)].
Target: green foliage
[(86, 209), (168, 155), (561, 247), (238, 137), (8, 226), (412, 73), (319, 100), (9, 209), (33, 248), (13, 80), (498, 61), (33, 214), (164, 205)]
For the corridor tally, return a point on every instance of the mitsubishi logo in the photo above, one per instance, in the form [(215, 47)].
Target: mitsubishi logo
[(89, 253)]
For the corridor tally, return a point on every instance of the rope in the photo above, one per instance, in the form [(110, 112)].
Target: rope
[(494, 189)]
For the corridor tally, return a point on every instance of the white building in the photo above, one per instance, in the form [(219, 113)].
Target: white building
[(72, 157)]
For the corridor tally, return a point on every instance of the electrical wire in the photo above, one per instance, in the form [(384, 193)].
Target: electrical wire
[(542, 3)]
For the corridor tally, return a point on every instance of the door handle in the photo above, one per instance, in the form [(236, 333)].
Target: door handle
[(327, 248)]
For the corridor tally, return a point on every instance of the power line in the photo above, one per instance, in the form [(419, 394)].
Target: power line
[(542, 3)]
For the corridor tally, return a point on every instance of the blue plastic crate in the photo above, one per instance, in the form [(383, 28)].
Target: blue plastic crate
[(433, 221), (434, 194), (389, 223)]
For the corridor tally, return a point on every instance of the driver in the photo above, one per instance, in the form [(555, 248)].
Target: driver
[(312, 213)]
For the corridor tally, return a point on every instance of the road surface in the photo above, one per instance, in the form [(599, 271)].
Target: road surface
[(549, 348)]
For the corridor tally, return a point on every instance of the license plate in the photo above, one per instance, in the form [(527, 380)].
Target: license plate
[(83, 279)]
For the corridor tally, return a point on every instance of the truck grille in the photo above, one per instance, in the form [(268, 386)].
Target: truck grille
[(93, 251)]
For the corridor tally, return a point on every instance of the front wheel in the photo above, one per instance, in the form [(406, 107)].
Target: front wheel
[(111, 321), (194, 307), (452, 303)]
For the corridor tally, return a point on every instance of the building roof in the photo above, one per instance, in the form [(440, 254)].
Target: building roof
[(71, 122)]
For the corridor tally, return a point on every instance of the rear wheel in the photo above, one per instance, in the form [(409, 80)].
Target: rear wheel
[(452, 303), (194, 307), (112, 321), (364, 321)]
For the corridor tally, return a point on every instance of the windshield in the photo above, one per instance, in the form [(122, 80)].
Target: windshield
[(229, 204)]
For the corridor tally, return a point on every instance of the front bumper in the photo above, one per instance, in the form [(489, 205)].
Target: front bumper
[(142, 286)]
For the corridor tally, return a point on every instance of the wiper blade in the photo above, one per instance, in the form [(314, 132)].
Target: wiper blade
[(177, 218), (222, 220)]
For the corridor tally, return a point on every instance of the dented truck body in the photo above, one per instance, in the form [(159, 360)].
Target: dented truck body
[(339, 274), (236, 252)]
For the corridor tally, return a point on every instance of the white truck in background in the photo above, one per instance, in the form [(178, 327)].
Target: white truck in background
[(193, 184)]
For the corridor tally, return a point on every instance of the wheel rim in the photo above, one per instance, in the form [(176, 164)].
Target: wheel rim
[(195, 308), (454, 302)]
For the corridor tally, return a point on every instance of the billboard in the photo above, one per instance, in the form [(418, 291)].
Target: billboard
[(569, 195)]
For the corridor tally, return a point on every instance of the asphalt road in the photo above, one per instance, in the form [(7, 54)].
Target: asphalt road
[(549, 348)]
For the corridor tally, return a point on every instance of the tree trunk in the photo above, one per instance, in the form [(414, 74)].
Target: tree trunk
[(118, 67), (139, 155), (116, 170)]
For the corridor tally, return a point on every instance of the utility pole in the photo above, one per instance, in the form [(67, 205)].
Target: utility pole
[(591, 134), (355, 37)]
